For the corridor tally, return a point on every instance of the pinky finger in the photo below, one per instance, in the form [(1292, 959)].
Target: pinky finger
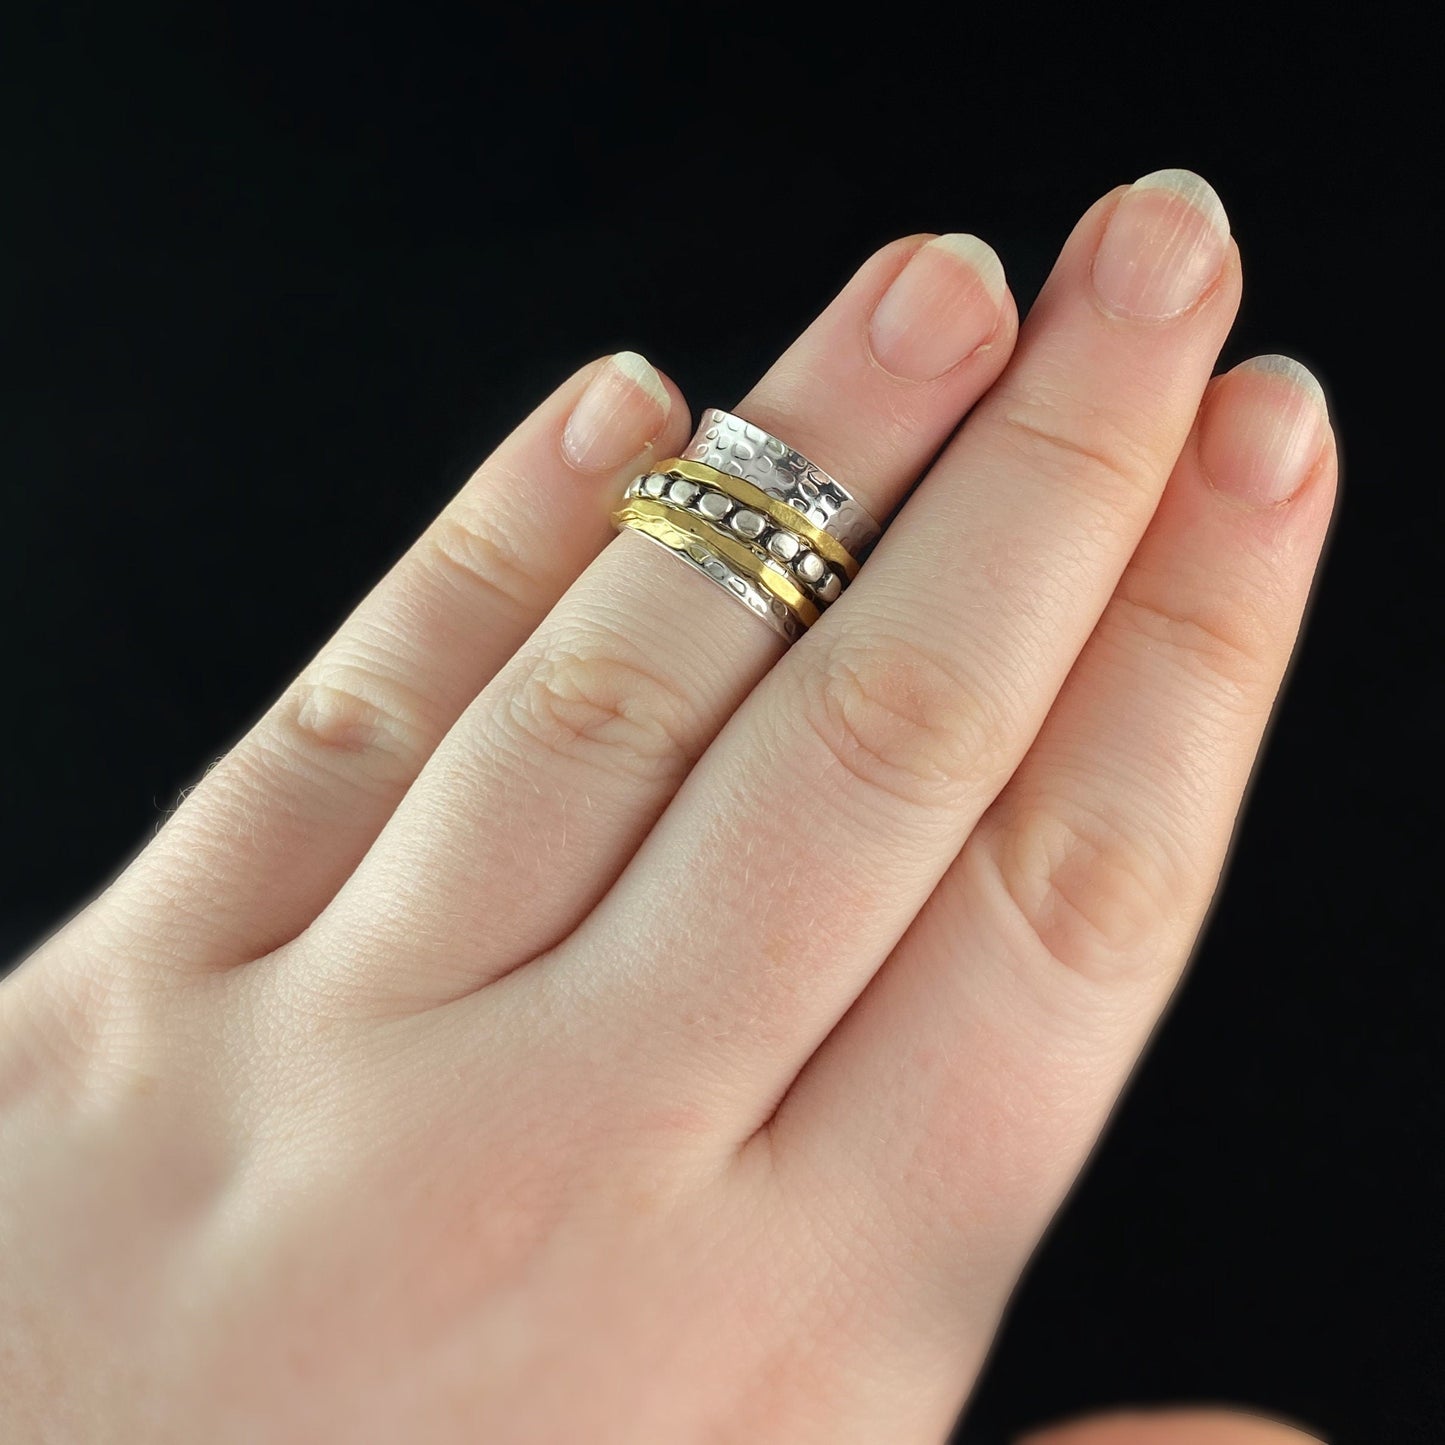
[(984, 1058)]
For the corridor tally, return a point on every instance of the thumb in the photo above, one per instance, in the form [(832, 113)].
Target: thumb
[(1171, 1427)]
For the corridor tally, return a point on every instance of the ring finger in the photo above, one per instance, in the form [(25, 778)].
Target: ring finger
[(552, 778)]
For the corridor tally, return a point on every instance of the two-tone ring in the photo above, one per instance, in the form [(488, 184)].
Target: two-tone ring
[(757, 518), (741, 449)]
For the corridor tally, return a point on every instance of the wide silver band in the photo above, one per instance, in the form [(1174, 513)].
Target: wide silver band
[(716, 569), (741, 449)]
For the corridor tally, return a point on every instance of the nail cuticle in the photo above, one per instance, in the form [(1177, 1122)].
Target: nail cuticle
[(619, 414), (983, 347), (942, 307), (1261, 447), (1199, 303)]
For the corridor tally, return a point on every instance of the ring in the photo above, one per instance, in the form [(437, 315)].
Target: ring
[(780, 537), (756, 518), (737, 448), (702, 555)]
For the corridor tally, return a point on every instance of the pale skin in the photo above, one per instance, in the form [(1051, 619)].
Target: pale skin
[(568, 1015)]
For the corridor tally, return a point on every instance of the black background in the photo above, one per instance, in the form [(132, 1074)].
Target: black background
[(272, 287)]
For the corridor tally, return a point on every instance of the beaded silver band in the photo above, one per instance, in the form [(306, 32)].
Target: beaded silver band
[(777, 548), (740, 449)]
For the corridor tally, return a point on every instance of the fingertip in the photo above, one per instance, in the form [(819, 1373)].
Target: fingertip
[(1264, 431), (942, 307), (641, 372), (623, 409), (1295, 372), (979, 257), (677, 426)]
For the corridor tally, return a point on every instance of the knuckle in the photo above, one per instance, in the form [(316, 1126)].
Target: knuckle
[(988, 1138), (592, 699), (1091, 895), (48, 1036), (79, 1028), (902, 721), (1058, 437), (470, 546), (345, 708), (1215, 640)]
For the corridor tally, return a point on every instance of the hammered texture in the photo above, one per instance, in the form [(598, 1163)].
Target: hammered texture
[(741, 449)]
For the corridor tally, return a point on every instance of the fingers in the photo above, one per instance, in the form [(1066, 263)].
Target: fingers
[(974, 1074), (542, 792), (267, 838), (828, 810), (1171, 1427)]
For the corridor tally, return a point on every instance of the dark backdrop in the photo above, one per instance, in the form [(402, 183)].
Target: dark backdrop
[(271, 288)]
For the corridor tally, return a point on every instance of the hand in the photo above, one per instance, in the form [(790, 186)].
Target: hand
[(565, 1016)]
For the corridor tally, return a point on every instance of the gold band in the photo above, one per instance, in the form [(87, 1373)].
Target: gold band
[(674, 527), (828, 547)]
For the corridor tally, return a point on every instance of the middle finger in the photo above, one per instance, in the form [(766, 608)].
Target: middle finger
[(806, 841)]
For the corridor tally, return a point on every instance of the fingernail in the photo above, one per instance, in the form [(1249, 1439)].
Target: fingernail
[(942, 306), (623, 408), (1163, 247), (1263, 428)]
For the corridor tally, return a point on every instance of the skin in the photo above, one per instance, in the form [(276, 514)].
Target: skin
[(565, 1015)]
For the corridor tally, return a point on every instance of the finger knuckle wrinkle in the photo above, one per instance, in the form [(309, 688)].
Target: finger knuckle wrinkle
[(1092, 897), (476, 553), (1087, 447), (344, 709), (901, 721), (605, 708), (1223, 644)]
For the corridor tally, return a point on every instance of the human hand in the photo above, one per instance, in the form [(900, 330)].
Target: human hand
[(566, 1014)]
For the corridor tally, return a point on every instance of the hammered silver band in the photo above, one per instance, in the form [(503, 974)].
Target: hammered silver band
[(740, 449)]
